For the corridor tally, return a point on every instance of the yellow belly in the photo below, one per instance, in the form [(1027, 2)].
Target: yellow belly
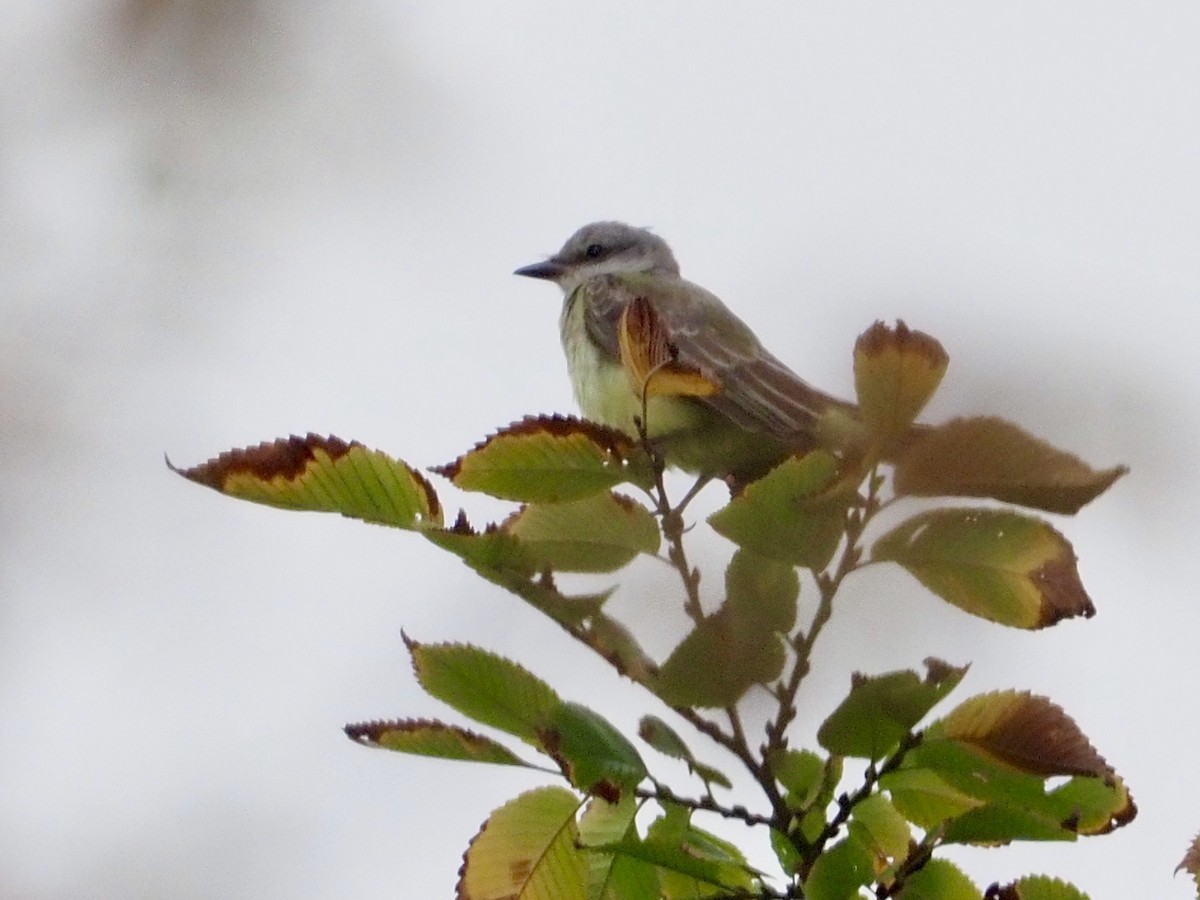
[(691, 434), (606, 394)]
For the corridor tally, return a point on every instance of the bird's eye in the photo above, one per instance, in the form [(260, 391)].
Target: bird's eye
[(594, 251)]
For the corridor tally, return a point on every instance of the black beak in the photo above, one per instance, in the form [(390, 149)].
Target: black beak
[(548, 270)]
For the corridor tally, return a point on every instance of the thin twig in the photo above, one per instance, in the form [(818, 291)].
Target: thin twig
[(828, 585), (847, 802), (708, 804), (918, 855), (672, 522)]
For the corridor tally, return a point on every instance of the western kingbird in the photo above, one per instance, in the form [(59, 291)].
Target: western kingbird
[(641, 341)]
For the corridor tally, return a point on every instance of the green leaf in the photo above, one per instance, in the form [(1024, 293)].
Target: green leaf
[(683, 875), (489, 552), (425, 737), (881, 709), (989, 457), (615, 643), (323, 474), (739, 645), (659, 735), (486, 687), (794, 514), (600, 533), (925, 799), (693, 862), (548, 459), (1001, 823), (801, 772), (999, 565), (1011, 805), (1037, 887), (939, 880), (1015, 740), (663, 738), (1098, 805), (527, 850), (503, 560), (896, 371), (976, 774), (717, 662), (839, 872), (591, 752), (762, 593), (613, 877), (881, 828), (789, 857)]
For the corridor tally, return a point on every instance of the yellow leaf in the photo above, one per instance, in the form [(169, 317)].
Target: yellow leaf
[(896, 371)]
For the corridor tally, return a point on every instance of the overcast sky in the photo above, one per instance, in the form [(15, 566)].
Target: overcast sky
[(222, 222)]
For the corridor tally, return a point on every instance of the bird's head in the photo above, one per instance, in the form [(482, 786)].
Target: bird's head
[(604, 248)]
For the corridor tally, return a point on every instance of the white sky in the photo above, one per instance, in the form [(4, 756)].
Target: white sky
[(221, 222)]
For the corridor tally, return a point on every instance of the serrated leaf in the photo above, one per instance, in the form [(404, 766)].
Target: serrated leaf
[(488, 551), (323, 474), (612, 877), (896, 371), (659, 735), (794, 514), (527, 850), (600, 533), (1014, 804), (503, 560), (486, 687), (1097, 805), (1025, 731), (881, 709), (989, 457), (999, 565), (548, 459), (939, 879), (839, 872), (1036, 887), (425, 737), (1191, 861), (592, 753), (1031, 736)]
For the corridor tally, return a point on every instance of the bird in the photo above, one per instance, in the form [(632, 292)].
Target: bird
[(660, 358)]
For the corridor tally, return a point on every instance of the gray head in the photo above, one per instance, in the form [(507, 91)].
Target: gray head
[(604, 248)]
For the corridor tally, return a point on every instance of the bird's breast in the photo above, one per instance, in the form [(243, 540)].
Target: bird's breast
[(603, 389)]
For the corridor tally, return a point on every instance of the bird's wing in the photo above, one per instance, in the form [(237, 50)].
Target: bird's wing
[(674, 337)]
